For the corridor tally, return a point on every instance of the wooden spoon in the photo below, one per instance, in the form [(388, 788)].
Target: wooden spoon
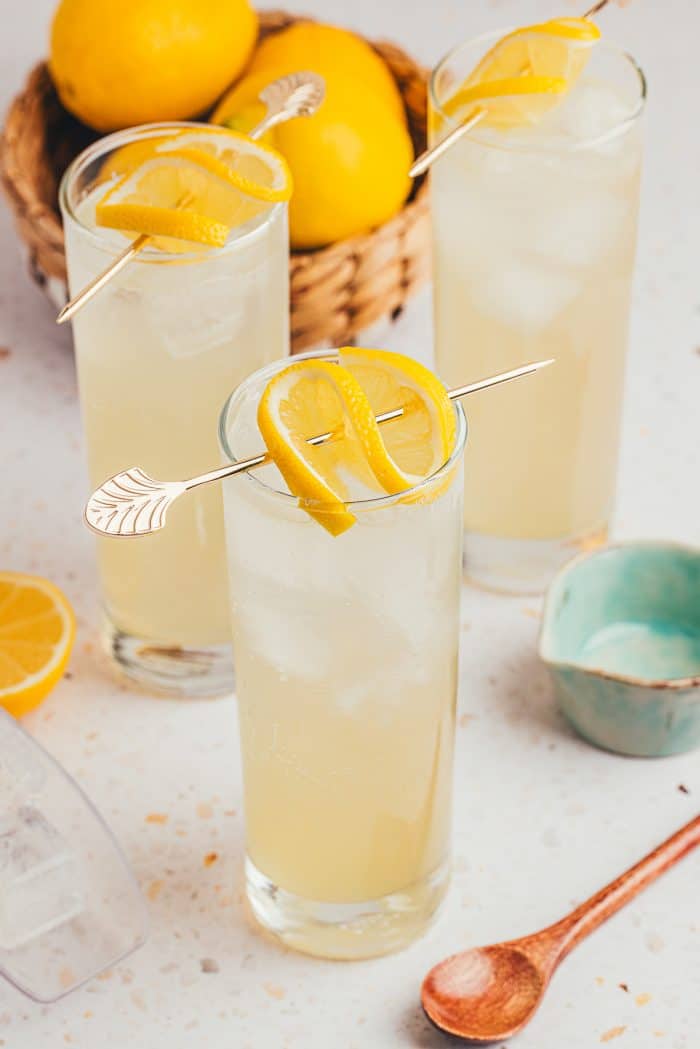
[(490, 993)]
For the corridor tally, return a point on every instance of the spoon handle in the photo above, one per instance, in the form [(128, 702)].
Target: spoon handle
[(586, 918)]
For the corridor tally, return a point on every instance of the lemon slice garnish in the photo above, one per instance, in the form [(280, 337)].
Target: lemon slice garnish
[(510, 102), (417, 444), (37, 628), (544, 59), (125, 159), (306, 399), (196, 186), (172, 197), (250, 167), (559, 47), (313, 397)]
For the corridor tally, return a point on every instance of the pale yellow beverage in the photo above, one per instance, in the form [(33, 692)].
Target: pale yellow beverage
[(346, 679), (157, 352), (534, 245)]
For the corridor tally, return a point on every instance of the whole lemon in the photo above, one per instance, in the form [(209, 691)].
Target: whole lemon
[(349, 161), (330, 51), (116, 63)]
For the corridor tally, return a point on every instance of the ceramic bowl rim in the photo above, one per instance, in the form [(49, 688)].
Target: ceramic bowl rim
[(678, 684)]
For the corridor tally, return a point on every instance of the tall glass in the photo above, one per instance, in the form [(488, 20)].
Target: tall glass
[(346, 675), (534, 244), (156, 350)]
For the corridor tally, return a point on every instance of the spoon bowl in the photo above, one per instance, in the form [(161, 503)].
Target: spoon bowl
[(487, 994), (494, 990), (293, 95)]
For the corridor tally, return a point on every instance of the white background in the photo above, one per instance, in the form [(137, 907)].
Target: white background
[(541, 818)]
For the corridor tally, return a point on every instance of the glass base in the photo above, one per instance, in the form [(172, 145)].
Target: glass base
[(522, 566), (346, 931), (170, 670)]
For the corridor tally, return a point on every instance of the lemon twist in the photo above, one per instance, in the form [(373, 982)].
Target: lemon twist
[(510, 101), (252, 168), (526, 72), (193, 186), (312, 397)]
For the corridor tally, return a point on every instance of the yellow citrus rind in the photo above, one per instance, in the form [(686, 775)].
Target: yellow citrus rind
[(501, 101), (195, 186), (582, 30), (37, 630), (314, 396), (163, 222), (424, 436), (287, 420), (227, 154), (544, 59)]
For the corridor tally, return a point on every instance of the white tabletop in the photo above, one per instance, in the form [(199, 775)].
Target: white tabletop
[(542, 819)]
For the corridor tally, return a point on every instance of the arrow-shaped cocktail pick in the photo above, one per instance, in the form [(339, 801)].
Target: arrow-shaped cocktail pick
[(424, 161), (293, 95), (131, 503)]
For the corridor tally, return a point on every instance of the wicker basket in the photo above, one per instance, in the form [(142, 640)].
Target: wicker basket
[(335, 291)]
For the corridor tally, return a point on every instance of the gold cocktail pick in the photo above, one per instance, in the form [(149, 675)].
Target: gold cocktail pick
[(424, 161), (131, 503), (294, 95)]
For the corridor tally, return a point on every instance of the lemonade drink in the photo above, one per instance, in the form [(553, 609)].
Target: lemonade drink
[(157, 351), (346, 672), (534, 244)]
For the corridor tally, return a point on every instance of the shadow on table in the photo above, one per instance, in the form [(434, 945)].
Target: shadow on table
[(421, 1034)]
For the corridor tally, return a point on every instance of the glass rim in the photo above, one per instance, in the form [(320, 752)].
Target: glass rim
[(359, 505), (481, 138), (111, 142)]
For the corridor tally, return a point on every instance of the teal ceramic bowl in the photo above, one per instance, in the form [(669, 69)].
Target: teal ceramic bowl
[(621, 639)]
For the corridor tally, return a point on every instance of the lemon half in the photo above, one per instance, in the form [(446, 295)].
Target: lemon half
[(37, 629)]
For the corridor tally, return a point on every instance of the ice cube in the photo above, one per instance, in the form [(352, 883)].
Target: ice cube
[(40, 880), (523, 295), (583, 230), (279, 625), (196, 316), (592, 110)]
